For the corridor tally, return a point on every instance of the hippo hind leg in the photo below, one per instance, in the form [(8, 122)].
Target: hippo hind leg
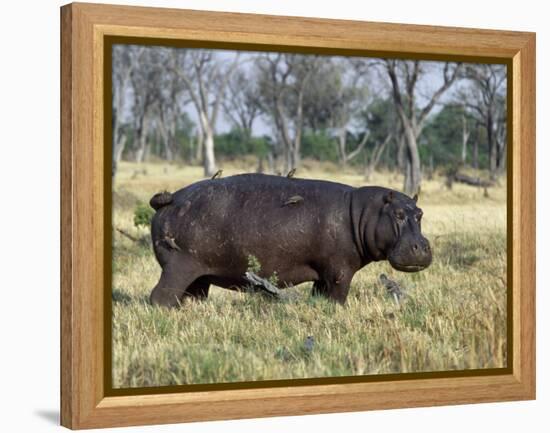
[(176, 278)]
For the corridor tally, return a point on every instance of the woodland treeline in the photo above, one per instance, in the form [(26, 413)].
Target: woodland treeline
[(199, 106)]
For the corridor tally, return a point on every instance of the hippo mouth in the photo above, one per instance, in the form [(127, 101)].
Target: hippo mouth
[(408, 268), (409, 264)]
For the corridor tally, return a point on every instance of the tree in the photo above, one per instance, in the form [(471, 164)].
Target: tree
[(465, 137), (486, 100), (379, 118), (323, 94), (125, 60), (145, 90), (350, 98), (169, 104), (404, 77), (375, 155), (448, 134), (205, 76), (283, 79), (241, 103)]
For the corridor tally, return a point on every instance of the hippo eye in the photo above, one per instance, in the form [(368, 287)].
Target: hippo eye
[(399, 214)]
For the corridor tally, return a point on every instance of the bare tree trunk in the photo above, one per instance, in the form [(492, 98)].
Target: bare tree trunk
[(375, 157), (209, 159), (271, 162), (431, 172), (342, 146), (493, 155), (296, 156), (407, 181), (260, 168), (464, 154), (288, 143), (191, 154), (368, 172), (119, 148), (501, 146), (117, 154), (299, 124), (465, 137), (277, 156), (166, 137), (492, 146), (207, 98), (142, 132), (401, 151), (151, 139), (501, 159), (172, 140), (475, 154), (140, 152), (487, 103), (287, 160), (118, 139), (122, 70), (413, 119), (168, 150), (413, 173), (197, 158)]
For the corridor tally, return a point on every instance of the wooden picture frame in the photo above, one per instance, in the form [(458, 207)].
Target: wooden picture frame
[(85, 402)]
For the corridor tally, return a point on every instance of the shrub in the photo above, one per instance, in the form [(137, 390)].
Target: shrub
[(143, 214)]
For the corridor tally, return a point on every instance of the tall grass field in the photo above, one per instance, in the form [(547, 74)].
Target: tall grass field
[(453, 317)]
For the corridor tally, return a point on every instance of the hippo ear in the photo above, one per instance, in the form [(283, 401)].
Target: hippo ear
[(388, 198)]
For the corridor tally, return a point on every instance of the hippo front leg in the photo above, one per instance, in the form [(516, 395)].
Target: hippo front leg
[(334, 286), (320, 288)]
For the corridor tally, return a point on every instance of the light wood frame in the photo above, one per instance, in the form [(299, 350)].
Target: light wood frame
[(84, 403)]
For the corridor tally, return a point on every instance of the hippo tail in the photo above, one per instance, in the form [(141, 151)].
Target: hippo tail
[(161, 199)]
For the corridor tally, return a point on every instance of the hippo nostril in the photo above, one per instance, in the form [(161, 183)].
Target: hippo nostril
[(415, 247)]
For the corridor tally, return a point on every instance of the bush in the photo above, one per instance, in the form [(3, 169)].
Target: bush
[(237, 143), (319, 146), (143, 214)]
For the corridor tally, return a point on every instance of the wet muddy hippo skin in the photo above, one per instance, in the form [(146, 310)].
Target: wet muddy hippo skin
[(301, 230)]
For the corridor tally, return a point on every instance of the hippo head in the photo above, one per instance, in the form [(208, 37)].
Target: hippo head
[(388, 223), (398, 233)]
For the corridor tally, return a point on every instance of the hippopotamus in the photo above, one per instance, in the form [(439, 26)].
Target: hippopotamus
[(296, 230)]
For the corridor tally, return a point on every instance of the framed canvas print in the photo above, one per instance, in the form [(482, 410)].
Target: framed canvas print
[(268, 216)]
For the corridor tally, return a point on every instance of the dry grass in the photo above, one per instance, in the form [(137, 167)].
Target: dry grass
[(454, 316)]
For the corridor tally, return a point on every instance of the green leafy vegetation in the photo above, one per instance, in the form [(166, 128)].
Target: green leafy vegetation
[(143, 214)]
